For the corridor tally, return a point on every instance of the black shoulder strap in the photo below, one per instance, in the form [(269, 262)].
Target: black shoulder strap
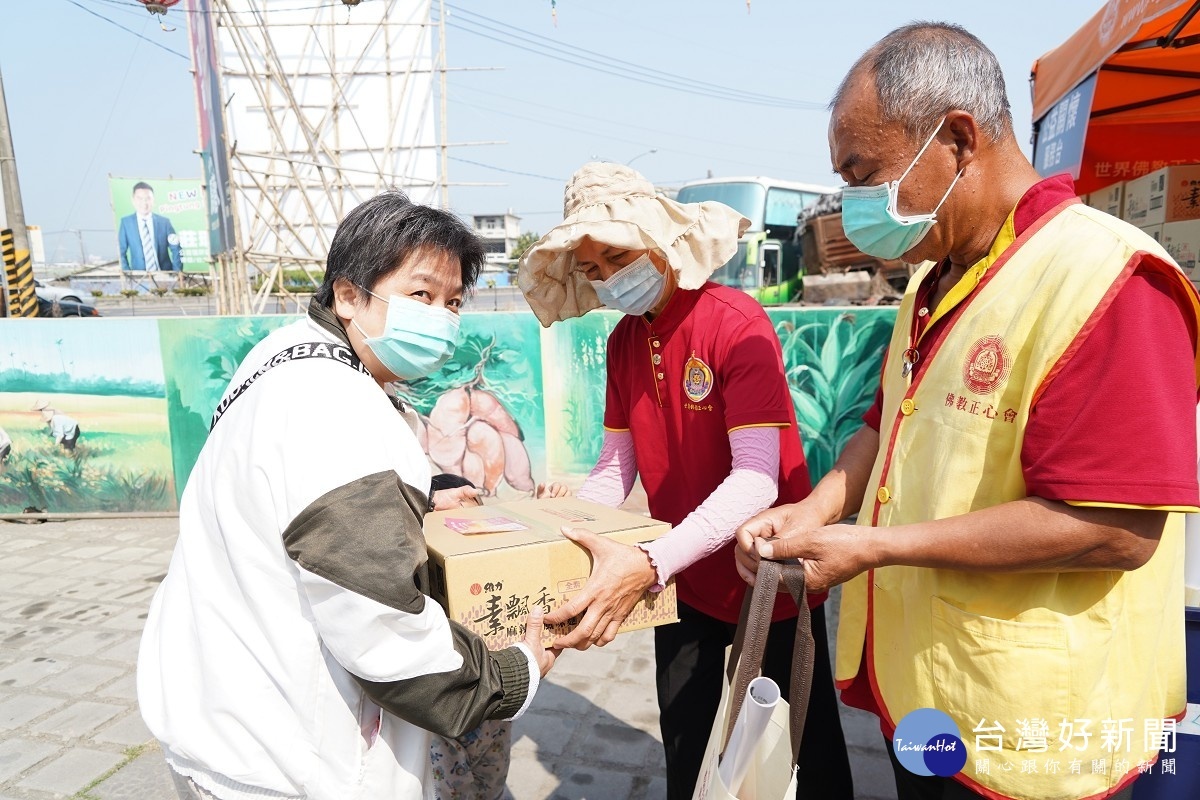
[(334, 352)]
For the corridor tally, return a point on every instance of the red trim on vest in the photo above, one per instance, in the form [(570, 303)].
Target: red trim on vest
[(952, 320), (1092, 321)]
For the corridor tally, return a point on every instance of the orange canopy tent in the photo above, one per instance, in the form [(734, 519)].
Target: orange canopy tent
[(1121, 97)]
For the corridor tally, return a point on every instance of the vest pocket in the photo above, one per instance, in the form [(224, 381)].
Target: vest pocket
[(998, 671)]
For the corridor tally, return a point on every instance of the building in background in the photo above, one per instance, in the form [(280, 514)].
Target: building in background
[(499, 233)]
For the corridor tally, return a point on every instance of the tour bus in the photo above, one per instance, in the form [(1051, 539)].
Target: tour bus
[(767, 262)]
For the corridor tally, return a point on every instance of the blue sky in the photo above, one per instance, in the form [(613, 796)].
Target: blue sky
[(87, 99)]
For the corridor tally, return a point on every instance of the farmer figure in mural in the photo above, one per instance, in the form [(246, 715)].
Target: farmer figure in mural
[(290, 650), (5, 449), (1019, 551), (64, 429), (699, 406)]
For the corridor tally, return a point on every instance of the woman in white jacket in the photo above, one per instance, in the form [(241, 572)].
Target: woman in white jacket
[(291, 650)]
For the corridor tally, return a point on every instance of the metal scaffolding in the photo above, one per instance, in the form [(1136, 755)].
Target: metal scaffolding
[(322, 107)]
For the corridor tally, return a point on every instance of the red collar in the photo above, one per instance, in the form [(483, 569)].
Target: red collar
[(678, 307), (1042, 198)]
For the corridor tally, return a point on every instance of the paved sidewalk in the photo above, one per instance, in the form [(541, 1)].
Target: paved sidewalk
[(73, 598)]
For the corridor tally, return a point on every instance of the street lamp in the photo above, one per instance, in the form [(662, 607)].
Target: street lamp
[(629, 163)]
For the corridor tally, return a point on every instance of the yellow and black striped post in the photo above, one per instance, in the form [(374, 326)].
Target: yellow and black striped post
[(18, 273)]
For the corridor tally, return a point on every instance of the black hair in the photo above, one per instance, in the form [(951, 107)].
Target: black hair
[(142, 185), (448, 480), (376, 237)]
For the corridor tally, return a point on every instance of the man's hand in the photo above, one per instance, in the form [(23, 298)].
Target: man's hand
[(779, 522), (621, 574), (533, 640), (458, 497), (545, 490), (831, 555)]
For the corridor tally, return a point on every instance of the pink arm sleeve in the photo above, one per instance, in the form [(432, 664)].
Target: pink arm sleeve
[(611, 479), (752, 486)]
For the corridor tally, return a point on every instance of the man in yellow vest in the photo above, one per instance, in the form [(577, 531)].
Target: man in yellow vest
[(1012, 607)]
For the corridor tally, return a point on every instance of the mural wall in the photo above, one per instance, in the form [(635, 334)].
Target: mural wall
[(84, 415), (483, 415), (200, 355), (516, 405)]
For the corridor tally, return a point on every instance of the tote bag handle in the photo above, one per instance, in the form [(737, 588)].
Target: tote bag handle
[(750, 644)]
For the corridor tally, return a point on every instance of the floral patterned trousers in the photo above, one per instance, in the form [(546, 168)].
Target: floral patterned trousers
[(475, 765)]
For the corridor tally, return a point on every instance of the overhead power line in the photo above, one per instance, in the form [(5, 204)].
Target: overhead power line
[(622, 124), (609, 137), (497, 31), (159, 45), (181, 10), (509, 171)]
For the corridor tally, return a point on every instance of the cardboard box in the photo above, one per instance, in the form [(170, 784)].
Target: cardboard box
[(1171, 194), (1155, 232), (1135, 208), (1182, 201), (1110, 200), (1182, 241), (488, 581)]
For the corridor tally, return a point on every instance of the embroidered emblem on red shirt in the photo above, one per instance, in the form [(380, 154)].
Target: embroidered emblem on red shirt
[(697, 379), (987, 365)]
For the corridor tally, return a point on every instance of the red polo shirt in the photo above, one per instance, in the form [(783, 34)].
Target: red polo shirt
[(709, 364)]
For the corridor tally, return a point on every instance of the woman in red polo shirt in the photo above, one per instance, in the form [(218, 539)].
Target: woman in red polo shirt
[(698, 406)]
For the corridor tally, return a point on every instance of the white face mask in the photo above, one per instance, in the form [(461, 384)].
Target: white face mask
[(634, 289)]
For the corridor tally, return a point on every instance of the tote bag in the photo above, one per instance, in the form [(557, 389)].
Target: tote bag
[(772, 772)]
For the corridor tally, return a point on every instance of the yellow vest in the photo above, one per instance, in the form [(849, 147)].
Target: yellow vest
[(997, 648)]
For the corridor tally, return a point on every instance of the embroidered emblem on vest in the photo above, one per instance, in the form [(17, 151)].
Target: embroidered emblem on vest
[(697, 379), (987, 365)]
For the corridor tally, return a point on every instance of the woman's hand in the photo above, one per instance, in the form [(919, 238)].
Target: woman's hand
[(533, 640), (458, 497), (621, 574), (545, 490)]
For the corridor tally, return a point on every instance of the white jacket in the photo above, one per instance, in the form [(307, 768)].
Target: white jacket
[(291, 651)]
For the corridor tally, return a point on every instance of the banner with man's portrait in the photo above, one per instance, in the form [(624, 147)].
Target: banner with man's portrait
[(162, 224)]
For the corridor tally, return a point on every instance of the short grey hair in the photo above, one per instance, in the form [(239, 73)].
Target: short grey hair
[(927, 69)]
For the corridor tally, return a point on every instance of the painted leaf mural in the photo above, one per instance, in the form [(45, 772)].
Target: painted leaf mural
[(832, 359)]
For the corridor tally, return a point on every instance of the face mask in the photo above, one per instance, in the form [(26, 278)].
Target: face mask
[(634, 289), (417, 338), (873, 223)]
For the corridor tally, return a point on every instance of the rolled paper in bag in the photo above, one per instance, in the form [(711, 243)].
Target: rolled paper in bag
[(761, 697)]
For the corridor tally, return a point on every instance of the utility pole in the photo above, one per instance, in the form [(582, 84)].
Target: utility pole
[(445, 161), (8, 179), (10, 190), (82, 251)]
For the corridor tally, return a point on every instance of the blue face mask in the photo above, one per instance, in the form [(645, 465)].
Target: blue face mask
[(634, 289), (417, 338), (873, 222)]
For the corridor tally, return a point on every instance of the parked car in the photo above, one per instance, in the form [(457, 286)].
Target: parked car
[(58, 293), (65, 308)]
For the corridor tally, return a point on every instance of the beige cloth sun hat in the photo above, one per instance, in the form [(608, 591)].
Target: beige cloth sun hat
[(615, 205)]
